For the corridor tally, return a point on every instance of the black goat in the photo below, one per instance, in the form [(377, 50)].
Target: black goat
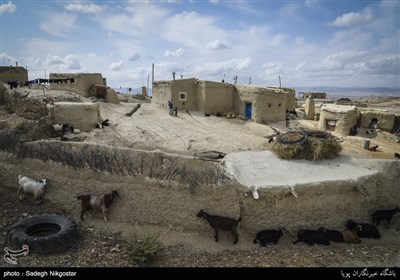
[(223, 223), (380, 215), (333, 235), (366, 230), (312, 237), (374, 148), (397, 155), (269, 236), (105, 122)]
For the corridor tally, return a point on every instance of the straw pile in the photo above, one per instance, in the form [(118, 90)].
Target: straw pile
[(312, 149)]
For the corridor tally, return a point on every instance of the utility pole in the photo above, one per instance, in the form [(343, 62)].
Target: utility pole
[(152, 73), (280, 85), (148, 79), (249, 80)]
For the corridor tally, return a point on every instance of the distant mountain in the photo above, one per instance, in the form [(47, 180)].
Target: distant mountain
[(352, 91)]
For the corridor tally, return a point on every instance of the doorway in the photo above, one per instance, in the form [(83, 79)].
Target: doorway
[(249, 110)]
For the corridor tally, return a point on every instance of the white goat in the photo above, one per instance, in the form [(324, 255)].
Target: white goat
[(58, 127), (28, 185)]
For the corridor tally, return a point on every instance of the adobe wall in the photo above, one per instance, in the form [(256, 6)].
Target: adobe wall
[(344, 119), (268, 103), (161, 93), (385, 120), (187, 86), (290, 99), (146, 201), (219, 97), (13, 73), (83, 116), (81, 84)]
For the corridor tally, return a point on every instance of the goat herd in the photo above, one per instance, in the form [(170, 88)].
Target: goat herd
[(323, 236), (62, 128)]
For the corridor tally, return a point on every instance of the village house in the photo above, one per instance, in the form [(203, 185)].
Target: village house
[(259, 103), (10, 74)]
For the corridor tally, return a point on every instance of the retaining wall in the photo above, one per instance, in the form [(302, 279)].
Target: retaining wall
[(172, 204)]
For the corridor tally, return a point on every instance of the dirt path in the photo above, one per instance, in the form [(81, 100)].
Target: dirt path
[(100, 244)]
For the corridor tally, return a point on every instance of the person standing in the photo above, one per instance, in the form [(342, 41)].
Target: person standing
[(170, 107)]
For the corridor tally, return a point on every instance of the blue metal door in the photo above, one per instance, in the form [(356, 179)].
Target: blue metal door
[(249, 109)]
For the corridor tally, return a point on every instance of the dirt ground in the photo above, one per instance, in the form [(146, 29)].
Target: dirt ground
[(191, 132), (151, 127), (104, 245)]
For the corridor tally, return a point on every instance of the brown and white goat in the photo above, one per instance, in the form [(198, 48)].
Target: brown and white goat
[(103, 202)]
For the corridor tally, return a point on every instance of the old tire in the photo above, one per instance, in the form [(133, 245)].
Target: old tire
[(299, 136), (44, 234), (316, 134)]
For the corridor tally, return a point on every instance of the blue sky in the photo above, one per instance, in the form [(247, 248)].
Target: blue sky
[(308, 43)]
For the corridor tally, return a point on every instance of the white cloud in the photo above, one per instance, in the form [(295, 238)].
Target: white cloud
[(352, 19), (299, 40), (216, 45), (175, 53), (116, 66), (58, 24), (352, 39), (191, 29), (84, 8), (389, 64), (214, 1), (134, 57), (69, 62), (221, 67), (275, 41), (6, 59), (92, 54), (313, 5), (139, 18), (272, 69), (243, 7), (10, 8), (54, 60)]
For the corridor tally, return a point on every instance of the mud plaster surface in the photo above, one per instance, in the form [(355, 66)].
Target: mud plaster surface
[(265, 170)]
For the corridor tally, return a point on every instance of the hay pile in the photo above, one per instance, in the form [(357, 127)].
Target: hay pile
[(312, 149)]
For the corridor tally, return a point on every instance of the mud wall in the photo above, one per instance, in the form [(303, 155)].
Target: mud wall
[(218, 97), (13, 73), (83, 116), (268, 104), (385, 120), (149, 201), (81, 84)]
